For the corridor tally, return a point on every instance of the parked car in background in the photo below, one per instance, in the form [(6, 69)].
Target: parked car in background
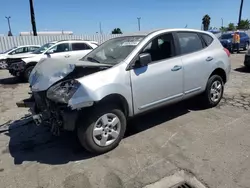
[(65, 49), (247, 59), (226, 40), (15, 52), (124, 77)]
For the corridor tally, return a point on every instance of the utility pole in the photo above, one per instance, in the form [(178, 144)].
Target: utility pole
[(100, 27), (240, 13), (8, 19), (139, 23), (32, 17)]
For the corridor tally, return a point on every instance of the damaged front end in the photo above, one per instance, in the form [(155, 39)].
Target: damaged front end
[(50, 113), (52, 90)]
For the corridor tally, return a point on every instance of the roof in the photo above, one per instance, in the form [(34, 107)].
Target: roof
[(145, 33), (28, 45)]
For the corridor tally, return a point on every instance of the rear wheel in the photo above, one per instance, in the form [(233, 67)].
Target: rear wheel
[(103, 130), (214, 91), (27, 73)]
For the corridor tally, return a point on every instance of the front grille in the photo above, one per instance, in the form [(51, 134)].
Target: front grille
[(183, 185)]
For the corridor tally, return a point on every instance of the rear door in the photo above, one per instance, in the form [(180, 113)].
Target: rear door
[(195, 59), (79, 50)]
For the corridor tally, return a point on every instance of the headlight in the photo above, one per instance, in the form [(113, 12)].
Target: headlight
[(229, 41), (63, 91)]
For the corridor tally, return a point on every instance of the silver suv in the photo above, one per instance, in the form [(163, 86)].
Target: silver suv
[(126, 76)]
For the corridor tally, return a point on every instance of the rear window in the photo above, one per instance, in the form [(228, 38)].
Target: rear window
[(189, 42), (208, 39)]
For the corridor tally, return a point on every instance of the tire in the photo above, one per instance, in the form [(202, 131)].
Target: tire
[(27, 73), (85, 131), (207, 97), (246, 46)]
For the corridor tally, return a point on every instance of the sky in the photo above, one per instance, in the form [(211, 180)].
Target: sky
[(84, 16)]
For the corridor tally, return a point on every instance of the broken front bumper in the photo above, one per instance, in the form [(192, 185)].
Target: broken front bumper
[(44, 111)]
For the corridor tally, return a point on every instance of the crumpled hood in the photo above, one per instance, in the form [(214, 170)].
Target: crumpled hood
[(50, 70)]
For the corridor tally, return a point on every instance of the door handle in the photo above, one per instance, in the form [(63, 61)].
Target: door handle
[(176, 68), (209, 59), (67, 56)]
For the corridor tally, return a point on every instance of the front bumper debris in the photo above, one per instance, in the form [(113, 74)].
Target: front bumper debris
[(46, 112)]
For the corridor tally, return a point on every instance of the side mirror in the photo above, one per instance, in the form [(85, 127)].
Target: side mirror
[(143, 60)]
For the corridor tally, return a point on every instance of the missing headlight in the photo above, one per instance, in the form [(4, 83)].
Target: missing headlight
[(63, 91)]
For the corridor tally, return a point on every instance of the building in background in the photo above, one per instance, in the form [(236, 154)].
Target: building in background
[(46, 33)]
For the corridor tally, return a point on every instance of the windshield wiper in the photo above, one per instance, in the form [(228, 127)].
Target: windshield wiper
[(92, 59)]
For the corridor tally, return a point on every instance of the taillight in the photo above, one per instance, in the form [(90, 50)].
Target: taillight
[(227, 51)]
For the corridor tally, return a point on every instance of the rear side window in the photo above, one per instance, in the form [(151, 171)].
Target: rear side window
[(80, 46), (189, 42), (208, 39)]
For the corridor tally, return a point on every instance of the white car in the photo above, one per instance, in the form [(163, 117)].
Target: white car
[(64, 49), (16, 52)]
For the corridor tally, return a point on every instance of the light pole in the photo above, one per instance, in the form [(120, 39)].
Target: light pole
[(100, 27), (139, 23), (8, 19), (222, 25)]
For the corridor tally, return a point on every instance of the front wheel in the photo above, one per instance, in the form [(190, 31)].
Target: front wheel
[(103, 130), (214, 91), (27, 73)]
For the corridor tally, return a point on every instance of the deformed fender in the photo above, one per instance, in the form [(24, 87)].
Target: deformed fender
[(97, 86)]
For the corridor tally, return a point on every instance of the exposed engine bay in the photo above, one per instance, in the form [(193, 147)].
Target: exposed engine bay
[(51, 110)]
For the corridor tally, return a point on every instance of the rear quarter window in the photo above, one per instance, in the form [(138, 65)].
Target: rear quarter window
[(208, 39)]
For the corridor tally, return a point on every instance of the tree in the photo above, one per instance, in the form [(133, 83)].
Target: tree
[(240, 13), (231, 27), (206, 22), (117, 31), (244, 24), (32, 16)]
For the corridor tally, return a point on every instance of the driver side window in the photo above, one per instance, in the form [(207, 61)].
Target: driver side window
[(161, 47)]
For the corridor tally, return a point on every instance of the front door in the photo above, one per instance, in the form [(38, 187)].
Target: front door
[(161, 81)]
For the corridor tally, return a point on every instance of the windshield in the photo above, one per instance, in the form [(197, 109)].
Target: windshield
[(8, 50), (227, 36), (114, 50), (43, 48)]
